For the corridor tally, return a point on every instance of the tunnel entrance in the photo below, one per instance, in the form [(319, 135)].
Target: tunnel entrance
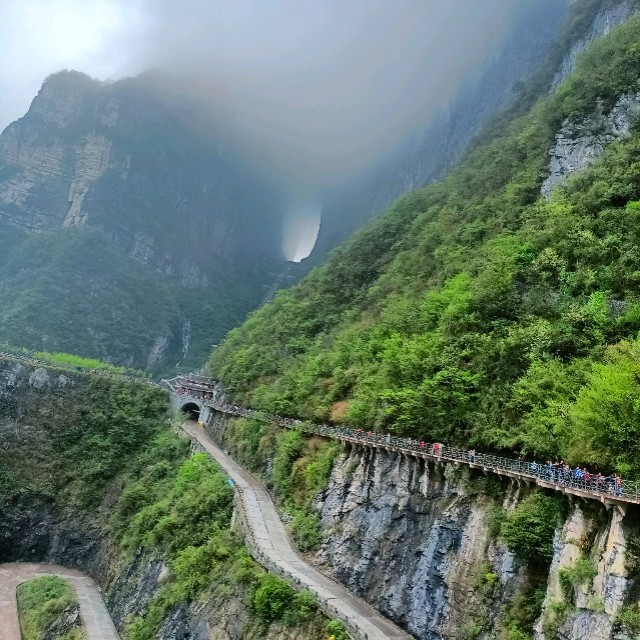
[(192, 409)]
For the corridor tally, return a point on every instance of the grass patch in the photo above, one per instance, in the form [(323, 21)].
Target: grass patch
[(42, 603)]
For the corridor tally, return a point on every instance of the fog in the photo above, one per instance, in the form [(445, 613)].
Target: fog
[(312, 91)]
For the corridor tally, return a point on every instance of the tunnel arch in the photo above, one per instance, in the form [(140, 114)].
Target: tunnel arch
[(192, 409)]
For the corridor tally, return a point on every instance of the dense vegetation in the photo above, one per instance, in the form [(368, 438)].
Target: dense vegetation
[(182, 508), (43, 604), (473, 311), (103, 453), (100, 425), (73, 291)]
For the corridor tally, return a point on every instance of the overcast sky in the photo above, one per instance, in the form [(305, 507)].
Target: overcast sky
[(317, 88), (334, 66)]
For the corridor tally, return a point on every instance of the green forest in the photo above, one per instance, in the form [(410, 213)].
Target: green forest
[(474, 311), (73, 291), (107, 457)]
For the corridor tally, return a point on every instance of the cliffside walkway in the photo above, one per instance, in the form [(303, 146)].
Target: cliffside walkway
[(93, 612), (199, 390), (270, 545)]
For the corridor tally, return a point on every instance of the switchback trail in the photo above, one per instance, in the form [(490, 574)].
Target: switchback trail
[(93, 612), (269, 536)]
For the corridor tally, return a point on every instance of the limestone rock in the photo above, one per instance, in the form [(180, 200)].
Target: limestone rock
[(579, 143)]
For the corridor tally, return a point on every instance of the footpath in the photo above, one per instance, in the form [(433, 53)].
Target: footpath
[(93, 612), (270, 545)]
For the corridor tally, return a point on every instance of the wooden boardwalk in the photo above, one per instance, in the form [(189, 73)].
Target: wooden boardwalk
[(202, 391)]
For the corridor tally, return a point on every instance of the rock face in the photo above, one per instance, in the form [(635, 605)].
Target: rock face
[(68, 622), (413, 540), (116, 157), (117, 180), (578, 144), (417, 541), (611, 15), (599, 602)]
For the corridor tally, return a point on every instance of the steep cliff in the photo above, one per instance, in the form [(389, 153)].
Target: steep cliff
[(476, 311), (449, 553), (420, 541), (540, 51), (126, 197), (86, 463)]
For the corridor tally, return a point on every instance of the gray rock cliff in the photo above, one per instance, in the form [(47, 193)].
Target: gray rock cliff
[(579, 143), (416, 540)]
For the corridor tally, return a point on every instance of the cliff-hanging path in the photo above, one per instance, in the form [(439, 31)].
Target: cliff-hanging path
[(204, 393), (269, 539), (93, 612)]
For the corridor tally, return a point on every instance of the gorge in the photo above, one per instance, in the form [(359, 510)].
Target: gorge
[(495, 307)]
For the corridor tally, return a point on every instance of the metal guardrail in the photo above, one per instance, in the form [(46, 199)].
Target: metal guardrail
[(593, 486)]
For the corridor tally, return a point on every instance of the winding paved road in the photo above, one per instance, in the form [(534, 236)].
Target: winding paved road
[(93, 612), (270, 537)]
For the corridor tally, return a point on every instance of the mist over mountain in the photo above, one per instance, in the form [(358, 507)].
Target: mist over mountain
[(309, 94), (199, 179), (165, 213), (126, 236)]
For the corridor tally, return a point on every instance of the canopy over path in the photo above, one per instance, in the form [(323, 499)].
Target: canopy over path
[(93, 612), (619, 493)]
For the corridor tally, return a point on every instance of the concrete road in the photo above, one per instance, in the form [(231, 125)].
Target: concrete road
[(269, 535), (93, 613)]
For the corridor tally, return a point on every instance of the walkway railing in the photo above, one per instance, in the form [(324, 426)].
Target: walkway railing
[(592, 486)]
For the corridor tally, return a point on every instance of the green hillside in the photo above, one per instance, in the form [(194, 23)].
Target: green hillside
[(474, 311), (125, 234), (72, 290)]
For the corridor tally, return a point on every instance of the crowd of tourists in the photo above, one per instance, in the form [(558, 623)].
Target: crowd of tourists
[(555, 472)]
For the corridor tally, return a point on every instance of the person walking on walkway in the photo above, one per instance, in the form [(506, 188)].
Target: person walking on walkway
[(618, 485)]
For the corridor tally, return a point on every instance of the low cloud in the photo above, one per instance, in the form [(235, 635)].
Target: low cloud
[(310, 92)]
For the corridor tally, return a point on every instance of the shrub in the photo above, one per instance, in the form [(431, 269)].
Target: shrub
[(336, 631), (580, 575), (272, 599), (596, 604), (306, 530), (469, 631), (629, 617), (528, 529), (302, 609), (556, 616)]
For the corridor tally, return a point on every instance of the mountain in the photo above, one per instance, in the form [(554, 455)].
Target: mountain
[(540, 49), (131, 231), (498, 307), (127, 234)]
